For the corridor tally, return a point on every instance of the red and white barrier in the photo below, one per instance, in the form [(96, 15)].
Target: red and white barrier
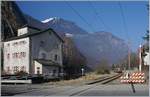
[(137, 77)]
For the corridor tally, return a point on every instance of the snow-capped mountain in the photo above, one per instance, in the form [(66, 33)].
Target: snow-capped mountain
[(68, 35), (64, 26), (50, 19), (94, 46)]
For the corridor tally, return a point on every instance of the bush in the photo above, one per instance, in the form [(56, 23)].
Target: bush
[(102, 71), (21, 73), (99, 71), (103, 67), (107, 71)]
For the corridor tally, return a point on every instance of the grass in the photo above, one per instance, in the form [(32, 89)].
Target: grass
[(81, 80)]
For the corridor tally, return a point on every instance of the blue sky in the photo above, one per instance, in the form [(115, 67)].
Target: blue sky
[(135, 14)]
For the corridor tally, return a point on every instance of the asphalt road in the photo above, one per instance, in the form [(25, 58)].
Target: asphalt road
[(113, 88), (84, 90)]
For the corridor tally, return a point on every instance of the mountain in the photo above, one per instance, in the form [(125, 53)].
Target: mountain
[(99, 46), (12, 19), (94, 46), (64, 26), (35, 23)]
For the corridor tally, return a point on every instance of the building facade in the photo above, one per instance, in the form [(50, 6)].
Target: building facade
[(35, 52), (146, 59)]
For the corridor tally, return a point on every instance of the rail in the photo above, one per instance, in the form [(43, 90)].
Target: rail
[(106, 79), (101, 81)]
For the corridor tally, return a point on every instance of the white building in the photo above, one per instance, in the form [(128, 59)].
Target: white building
[(34, 51), (147, 59)]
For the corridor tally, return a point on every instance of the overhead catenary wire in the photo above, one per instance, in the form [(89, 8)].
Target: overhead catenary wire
[(82, 18), (99, 18), (124, 20), (126, 31)]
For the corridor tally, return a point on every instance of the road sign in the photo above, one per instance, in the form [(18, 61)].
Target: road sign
[(82, 69)]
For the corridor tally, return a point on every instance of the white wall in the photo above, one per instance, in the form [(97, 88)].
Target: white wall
[(18, 48), (37, 64), (26, 30), (22, 31), (147, 59)]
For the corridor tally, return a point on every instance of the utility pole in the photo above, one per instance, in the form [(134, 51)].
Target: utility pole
[(140, 59)]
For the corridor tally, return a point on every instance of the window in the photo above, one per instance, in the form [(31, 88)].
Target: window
[(15, 43), (8, 44), (41, 43), (8, 56), (57, 46), (38, 70), (22, 42), (54, 72), (56, 57), (13, 55), (20, 55), (16, 68), (23, 54), (43, 56), (17, 55), (8, 69)]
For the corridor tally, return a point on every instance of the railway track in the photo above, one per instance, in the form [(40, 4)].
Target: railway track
[(106, 79), (112, 78), (97, 82)]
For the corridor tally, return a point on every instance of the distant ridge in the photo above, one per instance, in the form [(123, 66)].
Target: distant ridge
[(94, 46)]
